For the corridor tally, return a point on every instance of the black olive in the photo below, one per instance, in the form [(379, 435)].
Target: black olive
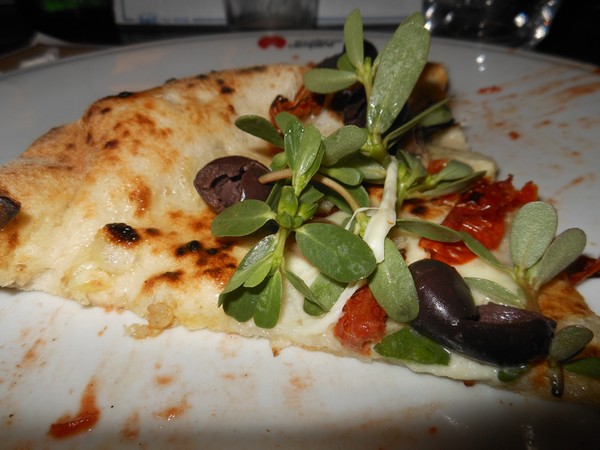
[(231, 179), (506, 336), (9, 208), (492, 333), (351, 101), (330, 62), (444, 300)]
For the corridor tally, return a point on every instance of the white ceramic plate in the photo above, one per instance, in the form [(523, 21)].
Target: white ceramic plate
[(539, 117)]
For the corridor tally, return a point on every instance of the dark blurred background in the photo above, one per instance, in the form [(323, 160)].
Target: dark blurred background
[(575, 33)]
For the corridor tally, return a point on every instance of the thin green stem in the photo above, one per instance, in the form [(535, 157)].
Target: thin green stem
[(322, 179)]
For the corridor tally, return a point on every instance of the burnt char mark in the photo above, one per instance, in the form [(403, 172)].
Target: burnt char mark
[(254, 69), (419, 210), (122, 234), (9, 208), (113, 143), (224, 87), (190, 247), (124, 94), (214, 262)]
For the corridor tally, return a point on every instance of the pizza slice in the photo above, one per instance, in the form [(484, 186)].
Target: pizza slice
[(338, 209)]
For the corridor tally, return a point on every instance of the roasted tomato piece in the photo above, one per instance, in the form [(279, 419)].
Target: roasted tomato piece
[(302, 106), (362, 322), (481, 212), (583, 268)]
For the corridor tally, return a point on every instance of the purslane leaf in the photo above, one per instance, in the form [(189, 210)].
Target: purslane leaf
[(343, 142), (300, 286), (324, 81), (370, 169), (454, 170), (260, 127), (563, 250), (239, 304), (353, 38), (292, 136), (326, 292), (429, 230), (569, 341), (494, 291), (261, 252), (420, 119), (408, 345), (344, 64), (481, 250), (259, 272), (393, 287), (589, 367), (345, 175), (453, 187), (308, 158), (241, 219), (336, 252), (399, 66), (268, 302), (533, 229), (359, 193)]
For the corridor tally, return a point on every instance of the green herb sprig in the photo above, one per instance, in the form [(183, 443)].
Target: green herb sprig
[(255, 290), (388, 80)]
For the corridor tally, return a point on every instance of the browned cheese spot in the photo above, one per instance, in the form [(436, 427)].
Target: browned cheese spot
[(141, 197), (170, 277), (153, 232), (144, 120)]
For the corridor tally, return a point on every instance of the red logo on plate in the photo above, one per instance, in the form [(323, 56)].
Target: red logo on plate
[(275, 41)]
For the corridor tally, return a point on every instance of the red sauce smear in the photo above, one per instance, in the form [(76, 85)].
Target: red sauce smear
[(362, 322), (84, 421), (489, 90), (480, 212), (436, 165)]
